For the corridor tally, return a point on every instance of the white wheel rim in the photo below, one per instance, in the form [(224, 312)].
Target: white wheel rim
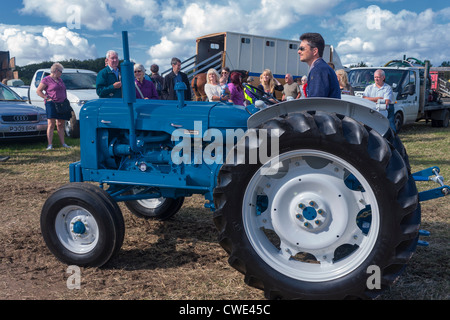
[(77, 229), (152, 203), (283, 232)]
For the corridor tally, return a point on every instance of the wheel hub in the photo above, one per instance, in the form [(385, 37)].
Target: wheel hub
[(312, 216), (77, 229)]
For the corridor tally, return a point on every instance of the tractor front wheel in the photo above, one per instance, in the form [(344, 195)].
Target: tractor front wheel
[(82, 225)]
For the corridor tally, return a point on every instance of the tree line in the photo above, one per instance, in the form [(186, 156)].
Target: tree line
[(27, 72)]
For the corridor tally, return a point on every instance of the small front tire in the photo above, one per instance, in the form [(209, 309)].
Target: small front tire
[(82, 225)]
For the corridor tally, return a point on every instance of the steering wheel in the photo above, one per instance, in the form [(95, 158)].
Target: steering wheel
[(262, 95)]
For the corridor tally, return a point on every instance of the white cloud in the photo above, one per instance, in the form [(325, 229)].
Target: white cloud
[(370, 34), (179, 22), (93, 14), (380, 36), (127, 10), (49, 45), (181, 26)]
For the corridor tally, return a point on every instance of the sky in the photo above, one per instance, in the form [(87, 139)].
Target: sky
[(374, 32)]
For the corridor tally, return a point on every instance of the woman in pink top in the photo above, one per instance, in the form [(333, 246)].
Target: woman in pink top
[(236, 89), (53, 90)]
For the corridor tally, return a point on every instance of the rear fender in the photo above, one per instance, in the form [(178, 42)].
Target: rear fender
[(357, 108)]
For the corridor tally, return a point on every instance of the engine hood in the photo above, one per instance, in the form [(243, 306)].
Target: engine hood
[(228, 116), (193, 119), (84, 95), (7, 107)]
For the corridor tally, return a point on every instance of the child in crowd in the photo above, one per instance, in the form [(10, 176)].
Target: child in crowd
[(224, 86)]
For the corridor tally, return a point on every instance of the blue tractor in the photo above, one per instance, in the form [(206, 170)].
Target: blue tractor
[(310, 197)]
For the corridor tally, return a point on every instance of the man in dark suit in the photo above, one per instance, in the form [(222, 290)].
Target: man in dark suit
[(168, 92), (108, 79)]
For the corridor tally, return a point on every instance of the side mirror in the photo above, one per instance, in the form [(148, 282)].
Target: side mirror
[(409, 89)]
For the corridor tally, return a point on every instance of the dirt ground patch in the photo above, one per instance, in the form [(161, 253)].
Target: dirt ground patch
[(178, 259)]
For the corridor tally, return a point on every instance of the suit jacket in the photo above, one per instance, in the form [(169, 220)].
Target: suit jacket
[(105, 81), (168, 92)]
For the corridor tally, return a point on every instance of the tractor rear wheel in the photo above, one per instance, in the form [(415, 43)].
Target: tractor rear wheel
[(336, 206)]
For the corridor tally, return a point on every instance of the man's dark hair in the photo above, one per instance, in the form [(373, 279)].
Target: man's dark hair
[(315, 40), (154, 68), (175, 61)]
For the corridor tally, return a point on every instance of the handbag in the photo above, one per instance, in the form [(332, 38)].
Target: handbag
[(140, 92), (63, 107)]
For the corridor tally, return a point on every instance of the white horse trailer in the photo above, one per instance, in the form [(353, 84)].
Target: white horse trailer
[(252, 53)]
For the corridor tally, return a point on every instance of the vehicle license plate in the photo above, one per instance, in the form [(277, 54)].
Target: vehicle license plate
[(24, 128)]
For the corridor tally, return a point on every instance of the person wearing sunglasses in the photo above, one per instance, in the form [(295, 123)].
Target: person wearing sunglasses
[(322, 80), (145, 89), (225, 73), (53, 90)]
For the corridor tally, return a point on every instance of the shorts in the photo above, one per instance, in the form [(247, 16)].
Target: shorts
[(52, 114)]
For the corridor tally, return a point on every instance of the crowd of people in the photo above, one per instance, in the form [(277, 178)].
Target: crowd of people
[(321, 81)]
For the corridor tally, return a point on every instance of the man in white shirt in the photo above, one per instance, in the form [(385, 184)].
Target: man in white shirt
[(381, 91)]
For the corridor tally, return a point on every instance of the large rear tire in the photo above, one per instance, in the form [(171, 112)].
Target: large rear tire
[(342, 201)]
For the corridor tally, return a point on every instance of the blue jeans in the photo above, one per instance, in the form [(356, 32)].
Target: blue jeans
[(391, 117)]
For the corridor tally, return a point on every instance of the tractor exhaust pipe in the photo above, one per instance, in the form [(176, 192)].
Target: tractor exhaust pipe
[(128, 89)]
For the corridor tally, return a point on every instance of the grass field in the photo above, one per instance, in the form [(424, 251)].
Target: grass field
[(179, 259)]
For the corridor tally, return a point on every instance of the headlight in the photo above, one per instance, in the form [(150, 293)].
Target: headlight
[(43, 117)]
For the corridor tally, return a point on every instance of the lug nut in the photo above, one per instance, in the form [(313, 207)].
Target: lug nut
[(312, 203)]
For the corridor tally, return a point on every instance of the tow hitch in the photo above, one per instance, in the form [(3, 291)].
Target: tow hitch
[(430, 174)]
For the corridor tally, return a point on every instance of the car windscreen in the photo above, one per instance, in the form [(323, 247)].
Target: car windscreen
[(359, 79), (7, 94), (78, 81)]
